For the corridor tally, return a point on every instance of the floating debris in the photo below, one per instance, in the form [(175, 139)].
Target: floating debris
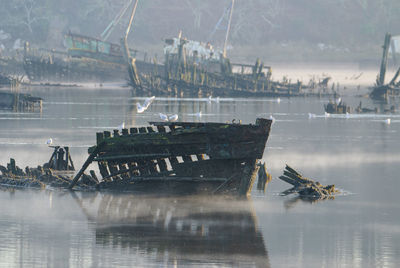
[(305, 187)]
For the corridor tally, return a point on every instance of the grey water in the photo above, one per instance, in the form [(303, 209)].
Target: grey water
[(359, 154)]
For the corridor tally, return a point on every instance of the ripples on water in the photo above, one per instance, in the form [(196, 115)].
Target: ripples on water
[(359, 154)]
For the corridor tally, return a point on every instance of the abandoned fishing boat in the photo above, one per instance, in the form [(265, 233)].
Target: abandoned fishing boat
[(86, 59), (180, 157), (195, 69)]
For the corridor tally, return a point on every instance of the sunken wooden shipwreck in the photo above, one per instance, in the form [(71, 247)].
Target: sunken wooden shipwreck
[(382, 90), (180, 157), (86, 60), (19, 102), (190, 76)]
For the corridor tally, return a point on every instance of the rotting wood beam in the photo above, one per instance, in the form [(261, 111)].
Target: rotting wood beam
[(88, 161)]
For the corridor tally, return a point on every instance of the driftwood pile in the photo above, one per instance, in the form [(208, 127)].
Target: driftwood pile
[(305, 187)]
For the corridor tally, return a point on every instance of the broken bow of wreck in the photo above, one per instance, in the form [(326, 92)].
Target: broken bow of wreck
[(180, 157)]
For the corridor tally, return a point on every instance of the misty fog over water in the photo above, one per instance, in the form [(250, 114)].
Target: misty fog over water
[(301, 40), (359, 155)]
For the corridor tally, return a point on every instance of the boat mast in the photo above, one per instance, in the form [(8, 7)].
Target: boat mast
[(128, 29), (107, 32), (228, 29), (132, 71)]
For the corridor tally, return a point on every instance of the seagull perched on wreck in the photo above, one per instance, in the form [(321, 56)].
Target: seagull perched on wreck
[(163, 117), (272, 118), (49, 141), (173, 118), (141, 108), (166, 118)]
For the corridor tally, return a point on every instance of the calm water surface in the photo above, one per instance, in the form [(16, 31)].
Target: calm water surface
[(359, 154)]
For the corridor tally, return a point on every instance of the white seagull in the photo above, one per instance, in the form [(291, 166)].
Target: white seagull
[(49, 141), (387, 121), (141, 108), (310, 115), (272, 118), (173, 118), (148, 101), (278, 100), (163, 117)]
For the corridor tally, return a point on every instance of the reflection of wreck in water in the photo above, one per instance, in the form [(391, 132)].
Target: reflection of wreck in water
[(188, 230)]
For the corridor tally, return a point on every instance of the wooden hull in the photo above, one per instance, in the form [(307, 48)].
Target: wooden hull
[(182, 157)]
